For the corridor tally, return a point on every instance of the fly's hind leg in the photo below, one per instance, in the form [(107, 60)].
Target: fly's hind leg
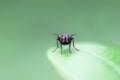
[(74, 46), (56, 47)]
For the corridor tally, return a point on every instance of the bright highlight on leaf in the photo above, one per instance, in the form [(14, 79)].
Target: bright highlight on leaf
[(92, 62)]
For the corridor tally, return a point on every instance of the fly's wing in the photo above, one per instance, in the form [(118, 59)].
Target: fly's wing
[(56, 34), (73, 34)]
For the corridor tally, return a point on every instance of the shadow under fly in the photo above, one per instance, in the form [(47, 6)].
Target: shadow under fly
[(65, 39)]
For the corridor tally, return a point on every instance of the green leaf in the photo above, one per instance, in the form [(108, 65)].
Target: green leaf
[(92, 62)]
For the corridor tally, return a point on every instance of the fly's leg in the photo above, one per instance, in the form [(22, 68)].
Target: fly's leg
[(74, 46), (56, 47), (70, 47), (61, 47)]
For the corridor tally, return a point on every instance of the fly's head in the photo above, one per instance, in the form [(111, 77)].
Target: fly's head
[(65, 38)]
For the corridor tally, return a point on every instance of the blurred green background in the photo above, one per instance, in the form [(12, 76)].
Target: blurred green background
[(27, 28)]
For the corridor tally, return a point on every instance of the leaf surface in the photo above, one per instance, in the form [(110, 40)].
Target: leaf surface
[(92, 62)]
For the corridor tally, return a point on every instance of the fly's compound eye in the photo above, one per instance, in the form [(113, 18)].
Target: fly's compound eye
[(61, 39), (69, 38)]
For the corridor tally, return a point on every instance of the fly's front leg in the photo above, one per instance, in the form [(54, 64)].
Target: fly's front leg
[(57, 46), (74, 46), (61, 47)]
